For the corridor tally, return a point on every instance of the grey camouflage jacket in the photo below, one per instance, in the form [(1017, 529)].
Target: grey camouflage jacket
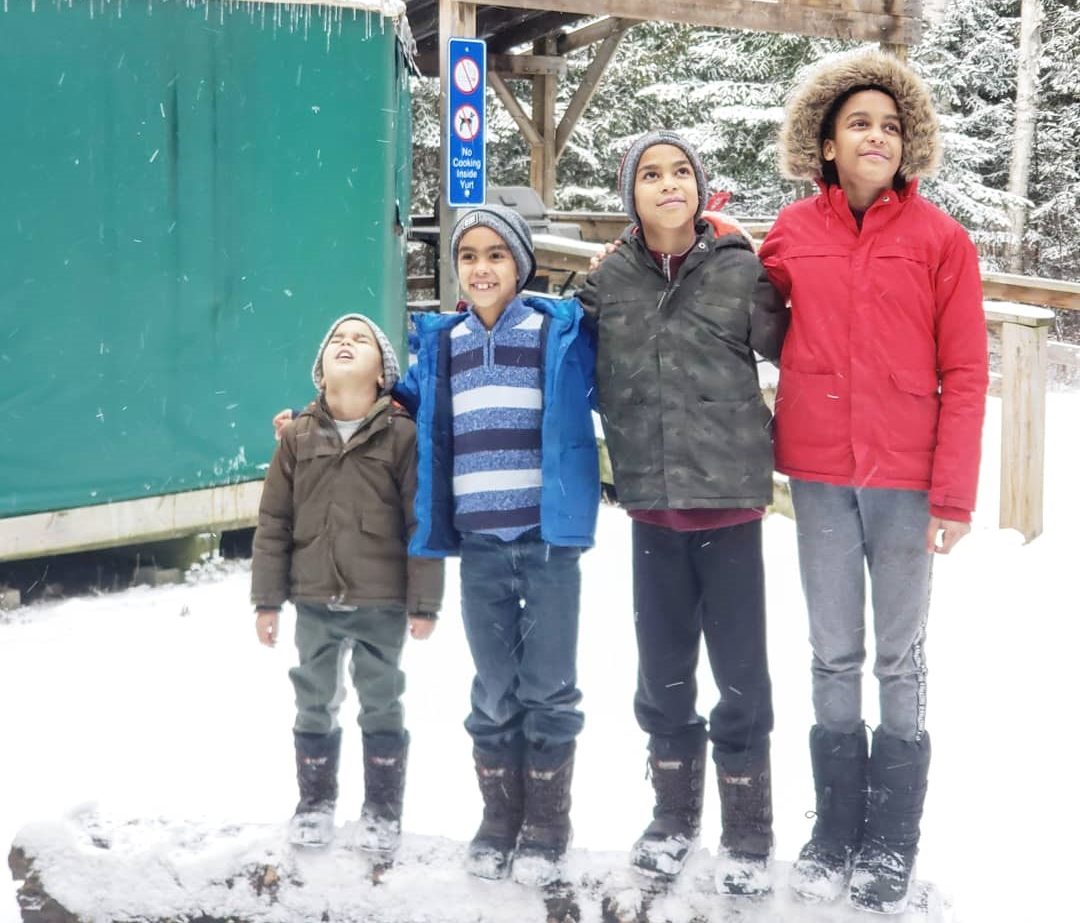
[(683, 416)]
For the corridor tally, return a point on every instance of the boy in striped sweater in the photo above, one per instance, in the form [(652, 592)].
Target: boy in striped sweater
[(508, 478)]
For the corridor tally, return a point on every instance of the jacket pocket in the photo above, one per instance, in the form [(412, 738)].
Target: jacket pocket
[(913, 410), (900, 252), (812, 409), (384, 523)]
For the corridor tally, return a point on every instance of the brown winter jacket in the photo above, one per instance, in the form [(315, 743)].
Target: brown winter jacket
[(335, 520)]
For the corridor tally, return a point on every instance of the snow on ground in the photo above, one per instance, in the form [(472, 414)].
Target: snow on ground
[(159, 703)]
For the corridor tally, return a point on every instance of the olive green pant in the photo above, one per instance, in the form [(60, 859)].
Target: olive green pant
[(374, 636)]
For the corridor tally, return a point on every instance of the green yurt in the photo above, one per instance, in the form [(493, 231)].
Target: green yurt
[(193, 190)]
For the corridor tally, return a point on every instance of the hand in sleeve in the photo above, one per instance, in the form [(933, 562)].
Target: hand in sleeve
[(950, 530), (266, 626), (422, 625)]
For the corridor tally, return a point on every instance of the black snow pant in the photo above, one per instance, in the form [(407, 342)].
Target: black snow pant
[(689, 584)]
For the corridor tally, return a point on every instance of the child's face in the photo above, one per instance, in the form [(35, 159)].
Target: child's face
[(665, 189), (486, 269), (867, 143), (352, 354)]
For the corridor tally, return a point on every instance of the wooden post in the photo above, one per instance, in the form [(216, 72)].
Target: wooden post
[(456, 20), (542, 161), (589, 83), (1023, 414)]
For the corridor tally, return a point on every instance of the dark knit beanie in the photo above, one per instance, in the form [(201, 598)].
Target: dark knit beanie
[(629, 164), (391, 369), (510, 226)]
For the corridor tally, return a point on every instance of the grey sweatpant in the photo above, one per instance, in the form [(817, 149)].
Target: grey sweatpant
[(324, 638), (842, 533)]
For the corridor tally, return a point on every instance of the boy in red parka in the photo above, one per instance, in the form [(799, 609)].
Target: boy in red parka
[(878, 423)]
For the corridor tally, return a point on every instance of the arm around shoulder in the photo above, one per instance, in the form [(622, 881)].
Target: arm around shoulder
[(272, 547), (769, 318), (424, 575), (588, 297)]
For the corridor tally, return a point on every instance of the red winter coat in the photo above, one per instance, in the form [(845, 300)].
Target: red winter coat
[(883, 373)]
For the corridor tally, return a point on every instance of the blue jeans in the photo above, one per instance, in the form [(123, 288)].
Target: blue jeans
[(843, 532), (520, 601)]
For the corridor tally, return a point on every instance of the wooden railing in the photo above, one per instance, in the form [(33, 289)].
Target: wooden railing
[(1024, 337)]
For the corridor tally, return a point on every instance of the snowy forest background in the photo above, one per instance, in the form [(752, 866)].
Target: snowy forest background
[(725, 91)]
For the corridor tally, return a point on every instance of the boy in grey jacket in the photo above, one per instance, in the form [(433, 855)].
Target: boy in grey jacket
[(334, 524), (679, 310)]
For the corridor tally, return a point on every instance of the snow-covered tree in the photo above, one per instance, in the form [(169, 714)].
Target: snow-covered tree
[(969, 58), (724, 89), (1053, 237), (1026, 117)]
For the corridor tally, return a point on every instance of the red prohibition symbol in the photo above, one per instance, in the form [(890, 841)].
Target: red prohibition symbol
[(466, 123), (466, 75)]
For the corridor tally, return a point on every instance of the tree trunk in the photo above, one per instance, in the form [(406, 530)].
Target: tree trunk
[(1027, 99), (933, 11)]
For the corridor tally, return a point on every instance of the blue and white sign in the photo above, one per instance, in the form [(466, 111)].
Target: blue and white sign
[(466, 132)]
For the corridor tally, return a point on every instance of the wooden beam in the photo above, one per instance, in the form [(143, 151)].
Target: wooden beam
[(587, 87), (542, 160), (526, 65), (554, 251), (757, 15), (591, 34), (1053, 293), (516, 110), (126, 522), (503, 39)]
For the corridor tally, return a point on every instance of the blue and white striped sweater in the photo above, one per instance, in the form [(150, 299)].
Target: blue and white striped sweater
[(497, 401), (571, 483)]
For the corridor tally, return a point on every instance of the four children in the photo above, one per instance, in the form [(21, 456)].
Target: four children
[(879, 410)]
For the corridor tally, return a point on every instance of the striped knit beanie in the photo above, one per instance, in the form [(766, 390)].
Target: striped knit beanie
[(391, 369), (510, 226), (629, 164)]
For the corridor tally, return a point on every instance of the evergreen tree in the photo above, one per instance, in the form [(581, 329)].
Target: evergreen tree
[(725, 89), (969, 59), (1054, 229)]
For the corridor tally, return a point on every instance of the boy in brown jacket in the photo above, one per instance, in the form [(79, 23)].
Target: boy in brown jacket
[(334, 523)]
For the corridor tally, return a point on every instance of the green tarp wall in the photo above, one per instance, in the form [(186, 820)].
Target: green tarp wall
[(191, 193)]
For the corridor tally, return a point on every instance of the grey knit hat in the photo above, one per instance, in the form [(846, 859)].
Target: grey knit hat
[(510, 226), (629, 164), (391, 369)]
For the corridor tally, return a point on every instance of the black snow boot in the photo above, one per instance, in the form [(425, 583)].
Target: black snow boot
[(677, 768), (545, 830), (886, 861), (823, 870), (316, 775), (744, 858), (499, 774), (385, 760)]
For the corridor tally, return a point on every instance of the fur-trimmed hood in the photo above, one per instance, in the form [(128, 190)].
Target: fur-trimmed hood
[(800, 155)]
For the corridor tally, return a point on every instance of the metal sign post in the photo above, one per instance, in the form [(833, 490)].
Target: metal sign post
[(466, 128)]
